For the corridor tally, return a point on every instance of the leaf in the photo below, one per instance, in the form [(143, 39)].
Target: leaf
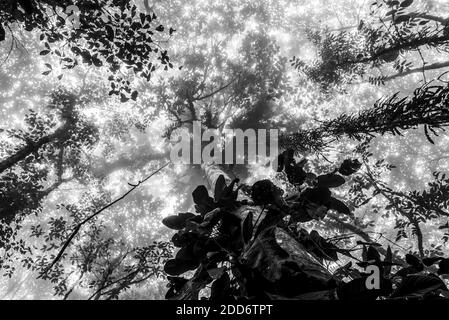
[(445, 226), (418, 286), (177, 222), (372, 254), (160, 28), (186, 255), (44, 52), (364, 254), (134, 95), (123, 98), (266, 255), (220, 186), (339, 206), (264, 192), (431, 261), (426, 131), (247, 228), (204, 203), (397, 20), (176, 267), (200, 195), (407, 271), (229, 195), (443, 267), (211, 218), (330, 180), (406, 3), (343, 271), (110, 33), (46, 73), (349, 166), (220, 287), (414, 261), (2, 33), (319, 196), (280, 163), (216, 273)]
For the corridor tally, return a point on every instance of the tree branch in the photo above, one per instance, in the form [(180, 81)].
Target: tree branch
[(433, 66), (82, 223)]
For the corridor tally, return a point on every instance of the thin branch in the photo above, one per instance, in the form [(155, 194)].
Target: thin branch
[(413, 221), (433, 66), (216, 91), (78, 227)]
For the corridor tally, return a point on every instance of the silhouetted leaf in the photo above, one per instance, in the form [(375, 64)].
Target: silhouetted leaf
[(319, 196), (443, 266), (407, 271), (372, 254), (445, 226), (186, 255), (177, 222), (247, 228), (406, 3), (204, 203), (220, 287), (414, 261), (2, 33), (418, 285), (220, 186), (280, 163), (430, 261), (330, 180), (176, 267), (265, 192), (339, 206), (349, 167)]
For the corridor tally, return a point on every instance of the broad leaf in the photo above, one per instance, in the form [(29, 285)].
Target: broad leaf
[(330, 180)]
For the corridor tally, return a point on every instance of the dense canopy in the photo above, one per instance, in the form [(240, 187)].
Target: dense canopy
[(92, 99)]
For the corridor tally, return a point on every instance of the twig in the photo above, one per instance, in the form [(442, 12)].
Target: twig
[(78, 227)]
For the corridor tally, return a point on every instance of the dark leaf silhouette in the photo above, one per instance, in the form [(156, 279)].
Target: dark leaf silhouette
[(204, 203), (339, 206), (176, 267), (177, 222), (349, 167), (443, 266), (414, 262), (247, 227), (431, 261), (220, 186), (418, 286), (330, 181)]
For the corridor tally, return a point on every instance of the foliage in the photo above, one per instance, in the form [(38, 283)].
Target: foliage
[(427, 107), (392, 31), (277, 258), (110, 33)]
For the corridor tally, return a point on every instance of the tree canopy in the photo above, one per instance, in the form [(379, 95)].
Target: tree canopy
[(95, 92)]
